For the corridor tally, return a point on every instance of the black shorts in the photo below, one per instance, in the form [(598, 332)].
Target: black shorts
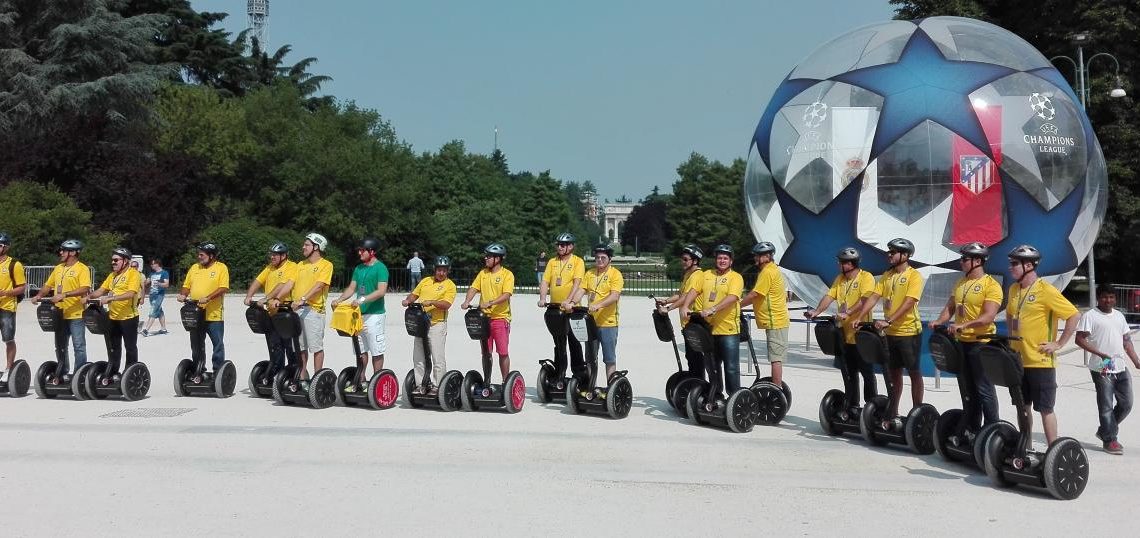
[(903, 351), (1039, 387)]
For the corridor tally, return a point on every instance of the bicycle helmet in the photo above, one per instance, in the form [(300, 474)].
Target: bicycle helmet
[(1025, 253), (122, 252), (442, 261), (975, 250), (5, 239), (318, 240), (763, 247), (369, 243), (723, 249), (73, 245), (899, 244), (848, 254), (278, 248), (693, 251), (602, 247), (564, 237), (496, 249), (209, 248)]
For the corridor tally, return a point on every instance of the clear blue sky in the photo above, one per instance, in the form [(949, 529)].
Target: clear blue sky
[(615, 92)]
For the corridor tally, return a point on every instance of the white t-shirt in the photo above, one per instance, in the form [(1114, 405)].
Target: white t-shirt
[(1106, 333)]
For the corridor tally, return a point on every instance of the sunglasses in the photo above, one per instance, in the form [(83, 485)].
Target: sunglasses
[(1014, 263), (117, 260)]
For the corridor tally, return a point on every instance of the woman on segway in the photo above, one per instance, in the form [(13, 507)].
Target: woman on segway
[(118, 293)]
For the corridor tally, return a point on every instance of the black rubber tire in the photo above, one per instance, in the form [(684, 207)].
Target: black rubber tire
[(514, 392), (254, 374), (943, 429), (322, 389), (409, 386), (279, 380), (829, 408), (982, 438), (135, 382), (619, 398), (783, 387), (694, 401), (870, 417), (383, 389), (672, 382), (19, 379), (450, 388), (540, 385), (999, 446), (741, 410), (681, 394), (78, 384), (1066, 469), (45, 370), (572, 396), (919, 428), (771, 403), (346, 376), (91, 379), (181, 373), (225, 381), (467, 395)]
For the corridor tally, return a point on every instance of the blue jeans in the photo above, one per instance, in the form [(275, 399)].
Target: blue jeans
[(78, 333), (986, 410), (156, 305), (607, 338), (1109, 386), (215, 330), (727, 350)]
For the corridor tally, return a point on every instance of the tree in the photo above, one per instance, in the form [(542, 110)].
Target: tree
[(708, 206), (39, 218), (647, 227)]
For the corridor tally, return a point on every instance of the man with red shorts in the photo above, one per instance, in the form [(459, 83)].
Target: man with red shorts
[(495, 284)]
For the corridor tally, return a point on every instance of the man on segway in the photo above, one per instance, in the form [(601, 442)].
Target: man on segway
[(848, 291), (604, 284), (437, 294), (277, 280), (207, 283), (119, 293), (769, 297), (724, 288), (12, 285), (310, 290), (68, 284), (562, 280), (367, 288), (495, 284), (691, 294)]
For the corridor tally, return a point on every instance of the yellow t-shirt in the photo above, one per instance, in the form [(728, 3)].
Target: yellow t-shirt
[(694, 281), (10, 281), (1033, 316), (308, 274), (491, 285), (846, 293), (65, 279), (600, 287), (129, 280), (969, 297), (202, 281), (560, 275), (771, 306), (726, 321), (894, 288), (430, 290), (271, 276)]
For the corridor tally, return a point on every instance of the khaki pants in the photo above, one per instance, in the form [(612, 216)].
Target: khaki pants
[(437, 338)]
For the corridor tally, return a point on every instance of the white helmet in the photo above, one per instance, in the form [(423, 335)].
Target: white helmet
[(318, 240)]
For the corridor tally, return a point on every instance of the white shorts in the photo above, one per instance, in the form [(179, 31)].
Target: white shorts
[(373, 341), (313, 336)]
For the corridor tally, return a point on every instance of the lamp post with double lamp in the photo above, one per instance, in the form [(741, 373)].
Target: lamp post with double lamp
[(1081, 71)]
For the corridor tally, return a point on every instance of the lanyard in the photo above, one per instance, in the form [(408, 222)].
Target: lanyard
[(1022, 296), (965, 290)]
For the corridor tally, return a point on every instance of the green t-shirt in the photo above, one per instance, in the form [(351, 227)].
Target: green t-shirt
[(367, 279)]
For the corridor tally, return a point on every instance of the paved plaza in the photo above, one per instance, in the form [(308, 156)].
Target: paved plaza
[(170, 466)]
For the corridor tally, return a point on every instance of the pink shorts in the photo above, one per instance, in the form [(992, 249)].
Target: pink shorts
[(500, 337)]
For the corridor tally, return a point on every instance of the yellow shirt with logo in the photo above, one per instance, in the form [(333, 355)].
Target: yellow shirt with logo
[(694, 281), (600, 287), (894, 288), (308, 274), (271, 276), (202, 281), (771, 305), (491, 285), (847, 292), (118, 284), (559, 276), (727, 320), (10, 281), (429, 290), (64, 279), (970, 294), (1034, 312)]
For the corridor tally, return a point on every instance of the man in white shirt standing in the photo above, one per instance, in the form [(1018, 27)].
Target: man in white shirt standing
[(1103, 332)]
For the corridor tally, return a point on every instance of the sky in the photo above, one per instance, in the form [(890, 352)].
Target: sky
[(615, 92)]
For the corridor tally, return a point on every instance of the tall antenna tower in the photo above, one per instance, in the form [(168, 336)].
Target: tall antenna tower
[(258, 11)]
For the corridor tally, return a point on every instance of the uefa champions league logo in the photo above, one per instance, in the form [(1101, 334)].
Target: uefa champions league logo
[(815, 115), (1042, 105)]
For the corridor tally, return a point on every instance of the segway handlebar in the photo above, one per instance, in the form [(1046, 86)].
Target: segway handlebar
[(997, 337)]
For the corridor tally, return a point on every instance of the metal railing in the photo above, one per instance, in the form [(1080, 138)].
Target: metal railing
[(36, 275)]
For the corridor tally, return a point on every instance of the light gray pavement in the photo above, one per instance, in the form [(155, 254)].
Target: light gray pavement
[(244, 466)]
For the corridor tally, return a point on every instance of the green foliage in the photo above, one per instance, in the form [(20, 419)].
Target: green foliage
[(195, 121), (39, 218), (708, 206)]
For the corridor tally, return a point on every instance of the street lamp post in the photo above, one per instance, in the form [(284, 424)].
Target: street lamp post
[(1081, 66)]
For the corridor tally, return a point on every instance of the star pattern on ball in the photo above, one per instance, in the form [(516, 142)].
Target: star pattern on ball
[(1032, 224), (786, 91), (924, 85)]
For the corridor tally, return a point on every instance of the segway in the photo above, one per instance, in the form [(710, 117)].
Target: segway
[(50, 319), (131, 385), (288, 387), (1009, 457), (616, 398), (664, 328), (447, 397), (772, 402), (382, 389), (916, 429), (954, 438), (477, 392), (190, 375), (704, 403), (16, 384), (547, 388), (261, 376), (834, 416)]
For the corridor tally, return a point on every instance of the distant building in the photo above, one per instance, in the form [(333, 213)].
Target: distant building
[(614, 216), (590, 205)]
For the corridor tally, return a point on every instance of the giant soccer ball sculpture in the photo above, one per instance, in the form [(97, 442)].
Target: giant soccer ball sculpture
[(943, 131)]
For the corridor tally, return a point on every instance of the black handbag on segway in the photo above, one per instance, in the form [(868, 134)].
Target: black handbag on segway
[(916, 429), (417, 323), (134, 382), (477, 391)]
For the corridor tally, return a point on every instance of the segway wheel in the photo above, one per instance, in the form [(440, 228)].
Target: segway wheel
[(467, 394), (279, 384), (783, 387), (671, 385), (742, 408), (346, 377), (91, 379), (450, 388), (771, 404), (572, 396), (78, 387), (694, 401), (868, 421), (619, 398), (226, 380), (136, 382), (544, 373), (983, 437), (383, 389), (829, 408), (1066, 469), (19, 379), (681, 394), (322, 389), (514, 392), (919, 429), (42, 373), (181, 376), (943, 429), (409, 386), (255, 374), (1000, 445)]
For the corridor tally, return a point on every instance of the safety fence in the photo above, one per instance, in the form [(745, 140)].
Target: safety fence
[(36, 275)]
